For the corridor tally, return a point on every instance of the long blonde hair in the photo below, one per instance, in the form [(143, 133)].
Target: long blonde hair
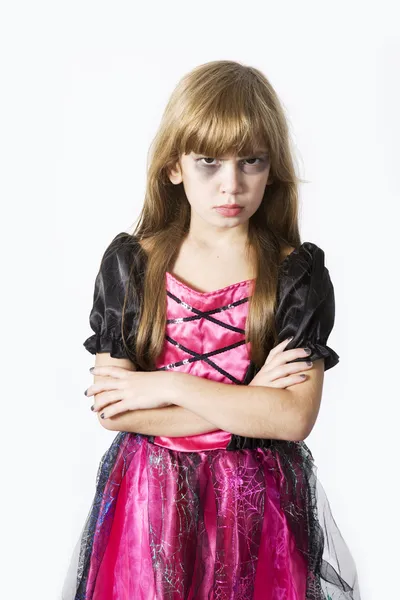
[(219, 107)]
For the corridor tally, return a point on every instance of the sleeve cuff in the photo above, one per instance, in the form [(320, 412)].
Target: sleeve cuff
[(97, 343)]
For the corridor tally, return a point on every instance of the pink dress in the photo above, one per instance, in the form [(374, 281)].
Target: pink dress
[(211, 516)]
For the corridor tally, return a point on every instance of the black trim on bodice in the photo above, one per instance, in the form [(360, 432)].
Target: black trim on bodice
[(195, 355)]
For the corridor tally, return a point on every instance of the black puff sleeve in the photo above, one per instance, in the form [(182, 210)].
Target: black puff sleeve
[(306, 303), (108, 300)]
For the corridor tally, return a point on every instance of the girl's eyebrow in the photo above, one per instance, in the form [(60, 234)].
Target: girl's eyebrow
[(262, 152), (259, 152)]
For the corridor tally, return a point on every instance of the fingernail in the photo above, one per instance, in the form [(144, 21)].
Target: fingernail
[(92, 407), (102, 415), (85, 392), (91, 369), (290, 339)]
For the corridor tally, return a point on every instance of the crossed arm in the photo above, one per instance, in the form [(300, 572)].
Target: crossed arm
[(202, 405)]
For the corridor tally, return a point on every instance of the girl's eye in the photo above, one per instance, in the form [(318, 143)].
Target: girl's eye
[(206, 158), (253, 164)]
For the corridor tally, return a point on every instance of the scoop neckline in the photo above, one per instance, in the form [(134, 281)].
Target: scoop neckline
[(218, 291), (232, 285)]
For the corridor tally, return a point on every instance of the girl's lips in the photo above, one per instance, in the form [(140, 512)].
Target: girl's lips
[(228, 212)]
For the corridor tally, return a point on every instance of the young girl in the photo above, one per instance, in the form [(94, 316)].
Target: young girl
[(211, 324)]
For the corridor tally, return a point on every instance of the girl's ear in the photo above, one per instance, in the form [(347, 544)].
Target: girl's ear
[(175, 173)]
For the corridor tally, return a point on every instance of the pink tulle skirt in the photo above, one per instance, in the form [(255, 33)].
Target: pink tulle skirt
[(213, 524)]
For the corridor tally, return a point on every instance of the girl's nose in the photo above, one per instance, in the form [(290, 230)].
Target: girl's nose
[(231, 179)]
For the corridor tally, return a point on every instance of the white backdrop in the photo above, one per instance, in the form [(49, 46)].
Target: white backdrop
[(83, 88)]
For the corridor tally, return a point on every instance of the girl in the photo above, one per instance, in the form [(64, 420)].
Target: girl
[(211, 323)]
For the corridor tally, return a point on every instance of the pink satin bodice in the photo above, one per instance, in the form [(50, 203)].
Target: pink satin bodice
[(205, 336)]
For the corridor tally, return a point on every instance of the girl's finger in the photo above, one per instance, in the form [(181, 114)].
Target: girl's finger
[(276, 349), (103, 386), (110, 371), (294, 379), (115, 409), (285, 382), (282, 371), (102, 400), (285, 357)]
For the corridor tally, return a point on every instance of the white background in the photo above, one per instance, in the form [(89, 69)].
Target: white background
[(83, 88)]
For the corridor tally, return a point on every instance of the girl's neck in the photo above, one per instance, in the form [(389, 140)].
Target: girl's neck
[(218, 239)]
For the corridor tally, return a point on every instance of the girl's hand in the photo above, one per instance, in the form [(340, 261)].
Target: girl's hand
[(276, 373), (122, 390)]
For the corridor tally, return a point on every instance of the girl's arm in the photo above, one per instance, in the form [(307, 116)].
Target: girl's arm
[(253, 411), (171, 421), (250, 411)]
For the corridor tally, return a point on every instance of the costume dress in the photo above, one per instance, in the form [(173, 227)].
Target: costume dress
[(214, 516)]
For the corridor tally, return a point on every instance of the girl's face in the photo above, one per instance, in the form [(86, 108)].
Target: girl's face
[(230, 180)]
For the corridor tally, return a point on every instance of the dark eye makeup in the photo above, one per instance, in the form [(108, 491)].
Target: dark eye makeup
[(260, 160)]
